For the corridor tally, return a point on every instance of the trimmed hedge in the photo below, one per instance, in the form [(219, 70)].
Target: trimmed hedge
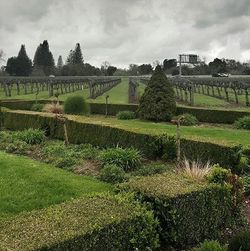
[(89, 224), (202, 114), (153, 146), (189, 212)]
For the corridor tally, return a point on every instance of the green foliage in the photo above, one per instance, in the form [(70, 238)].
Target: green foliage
[(243, 123), (76, 105), (37, 107), (188, 211), (240, 242), (128, 159), (150, 169), (125, 115), (30, 136), (246, 183), (158, 101), (188, 119), (90, 223), (218, 175), (112, 174), (211, 246)]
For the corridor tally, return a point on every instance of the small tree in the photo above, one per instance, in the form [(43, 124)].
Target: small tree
[(158, 101)]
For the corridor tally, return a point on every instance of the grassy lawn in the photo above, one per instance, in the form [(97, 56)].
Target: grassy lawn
[(26, 184), (216, 134)]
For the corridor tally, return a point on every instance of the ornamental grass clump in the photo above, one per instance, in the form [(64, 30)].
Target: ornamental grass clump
[(30, 136), (53, 108), (158, 100)]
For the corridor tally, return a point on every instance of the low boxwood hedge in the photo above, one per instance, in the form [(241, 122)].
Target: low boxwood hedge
[(152, 146), (93, 223), (208, 115), (189, 212)]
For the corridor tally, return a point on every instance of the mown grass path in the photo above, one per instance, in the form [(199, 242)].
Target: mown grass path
[(26, 184)]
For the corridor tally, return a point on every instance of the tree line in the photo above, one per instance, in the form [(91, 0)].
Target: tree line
[(43, 64)]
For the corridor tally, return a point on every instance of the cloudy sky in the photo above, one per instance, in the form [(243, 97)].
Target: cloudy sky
[(128, 31)]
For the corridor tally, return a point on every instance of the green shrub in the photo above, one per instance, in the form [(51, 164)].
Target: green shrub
[(86, 151), (244, 165), (240, 242), (76, 105), (211, 246), (30, 136), (126, 115), (66, 162), (188, 119), (112, 174), (17, 147), (150, 170), (188, 211), (37, 107), (243, 123), (90, 223), (246, 183), (218, 175), (128, 159), (158, 100)]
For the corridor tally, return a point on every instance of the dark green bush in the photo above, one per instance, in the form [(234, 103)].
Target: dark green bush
[(90, 223), (211, 246), (243, 123), (240, 242), (30, 136), (112, 174), (188, 119), (37, 107), (188, 211), (218, 175), (128, 159), (126, 115), (76, 105), (158, 100)]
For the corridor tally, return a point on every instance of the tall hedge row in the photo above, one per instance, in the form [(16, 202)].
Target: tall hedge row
[(152, 146), (189, 212), (90, 224), (202, 114)]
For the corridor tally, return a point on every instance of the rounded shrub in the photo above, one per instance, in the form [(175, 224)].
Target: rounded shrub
[(188, 119), (218, 175), (127, 159), (240, 242), (76, 105), (210, 246), (243, 123), (37, 107), (112, 174), (158, 100), (125, 115)]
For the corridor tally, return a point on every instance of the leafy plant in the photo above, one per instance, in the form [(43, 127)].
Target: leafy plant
[(30, 136), (76, 105), (243, 123), (210, 246), (128, 158), (187, 119), (37, 107), (246, 183), (112, 174), (148, 170), (218, 175), (126, 115), (240, 242)]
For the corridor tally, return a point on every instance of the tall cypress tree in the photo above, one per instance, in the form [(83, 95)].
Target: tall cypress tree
[(43, 58), (158, 101), (24, 64), (59, 62), (77, 56)]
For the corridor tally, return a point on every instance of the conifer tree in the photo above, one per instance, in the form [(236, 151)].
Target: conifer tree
[(44, 59), (59, 62), (77, 56), (158, 101)]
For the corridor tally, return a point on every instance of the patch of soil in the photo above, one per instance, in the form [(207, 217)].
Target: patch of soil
[(89, 167)]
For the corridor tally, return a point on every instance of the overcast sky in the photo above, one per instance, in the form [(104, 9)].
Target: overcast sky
[(128, 31)]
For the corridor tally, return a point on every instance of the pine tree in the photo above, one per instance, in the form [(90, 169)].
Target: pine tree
[(70, 57), (24, 64), (44, 59), (59, 62), (77, 56), (158, 101)]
